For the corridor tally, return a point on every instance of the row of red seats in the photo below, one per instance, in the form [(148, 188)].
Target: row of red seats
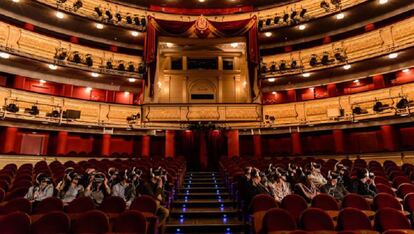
[(93, 221)]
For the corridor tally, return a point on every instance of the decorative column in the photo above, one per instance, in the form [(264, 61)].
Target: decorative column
[(62, 139), (169, 143), (10, 139), (332, 92), (233, 149), (378, 81), (146, 145), (338, 136), (296, 143), (257, 144), (388, 139), (106, 145)]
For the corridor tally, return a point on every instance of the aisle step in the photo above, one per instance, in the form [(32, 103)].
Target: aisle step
[(203, 203), (205, 212), (223, 195)]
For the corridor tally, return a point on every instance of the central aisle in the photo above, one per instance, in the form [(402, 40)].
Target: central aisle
[(204, 205)]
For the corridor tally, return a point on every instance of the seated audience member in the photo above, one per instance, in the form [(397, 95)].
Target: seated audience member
[(42, 189), (124, 188), (281, 188), (154, 187), (316, 176), (343, 172), (333, 187), (305, 186), (98, 187), (244, 183), (86, 177), (69, 188), (255, 186), (113, 176), (364, 184)]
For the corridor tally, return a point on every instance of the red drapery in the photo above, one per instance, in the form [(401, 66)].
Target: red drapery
[(201, 28)]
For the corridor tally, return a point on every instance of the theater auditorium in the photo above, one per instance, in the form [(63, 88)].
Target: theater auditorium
[(206, 116)]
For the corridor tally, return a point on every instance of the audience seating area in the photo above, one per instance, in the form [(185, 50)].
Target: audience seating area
[(390, 211), (51, 215)]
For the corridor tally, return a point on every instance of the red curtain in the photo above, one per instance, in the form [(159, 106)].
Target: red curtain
[(201, 28)]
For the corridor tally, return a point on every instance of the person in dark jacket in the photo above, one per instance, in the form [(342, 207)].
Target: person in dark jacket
[(255, 186), (305, 186), (364, 184), (333, 188)]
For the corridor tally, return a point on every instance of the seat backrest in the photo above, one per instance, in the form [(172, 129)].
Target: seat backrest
[(52, 222), (389, 218), (19, 204), (144, 203), (382, 188), (2, 194), (398, 180), (80, 205), (409, 202), (113, 204), (131, 221), (258, 206), (383, 200), (277, 219), (353, 219), (93, 221), (405, 189), (355, 201), (294, 204), (49, 204), (16, 193), (315, 219), (15, 223), (325, 202)]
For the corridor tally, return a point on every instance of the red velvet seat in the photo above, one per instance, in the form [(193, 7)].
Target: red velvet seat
[(51, 223), (277, 219), (325, 202), (145, 204), (258, 207), (382, 188), (15, 223), (315, 219), (405, 189), (2, 194), (93, 221), (397, 181), (16, 193), (48, 205), (19, 204), (389, 218), (80, 205), (130, 221), (353, 219), (294, 204), (409, 202), (355, 201), (113, 204), (383, 200)]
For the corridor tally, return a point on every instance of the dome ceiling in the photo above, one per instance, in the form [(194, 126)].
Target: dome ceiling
[(204, 4)]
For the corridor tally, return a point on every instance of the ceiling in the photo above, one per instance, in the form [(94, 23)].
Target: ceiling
[(207, 4)]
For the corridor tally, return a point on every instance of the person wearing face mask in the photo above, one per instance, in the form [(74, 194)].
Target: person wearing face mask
[(305, 186), (333, 187), (316, 176), (42, 189), (364, 184), (281, 188), (69, 188), (98, 187)]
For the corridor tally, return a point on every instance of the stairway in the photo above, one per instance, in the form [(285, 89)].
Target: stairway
[(204, 205)]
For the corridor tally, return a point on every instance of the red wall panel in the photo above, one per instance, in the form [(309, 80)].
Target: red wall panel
[(246, 145), (122, 145), (78, 143)]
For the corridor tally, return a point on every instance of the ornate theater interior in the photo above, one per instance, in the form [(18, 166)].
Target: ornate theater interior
[(207, 116)]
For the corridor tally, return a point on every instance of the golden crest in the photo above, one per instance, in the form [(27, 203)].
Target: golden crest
[(201, 23)]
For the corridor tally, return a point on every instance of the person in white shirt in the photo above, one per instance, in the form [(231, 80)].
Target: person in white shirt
[(69, 188), (124, 188), (42, 189)]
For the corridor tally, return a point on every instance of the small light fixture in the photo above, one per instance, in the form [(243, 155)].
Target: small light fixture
[(52, 66), (169, 44), (356, 81), (271, 79), (302, 27), (274, 92), (88, 89), (347, 66), (16, 1), (132, 80), (42, 81), (126, 93), (60, 15), (99, 26), (134, 33), (201, 0), (94, 74), (234, 44), (268, 34), (393, 55), (307, 74), (311, 88), (407, 70), (4, 55), (383, 1), (340, 16)]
